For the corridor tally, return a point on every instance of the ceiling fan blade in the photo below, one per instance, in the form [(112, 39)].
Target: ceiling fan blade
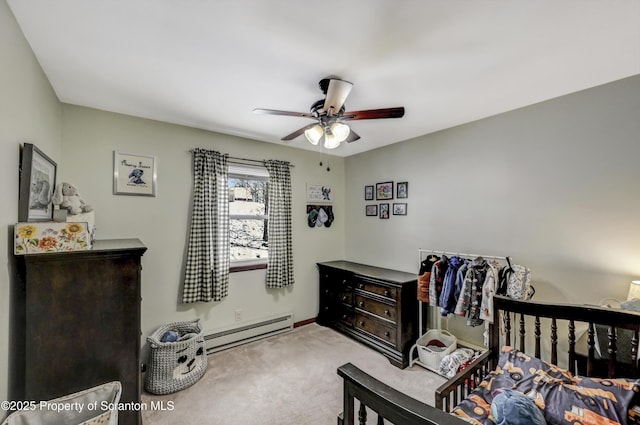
[(372, 114), (298, 132), (287, 113), (337, 93), (352, 137)]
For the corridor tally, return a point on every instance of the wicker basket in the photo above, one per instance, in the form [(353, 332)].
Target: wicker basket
[(432, 356), (174, 366)]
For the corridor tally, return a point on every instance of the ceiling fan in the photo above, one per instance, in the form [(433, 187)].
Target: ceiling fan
[(329, 115)]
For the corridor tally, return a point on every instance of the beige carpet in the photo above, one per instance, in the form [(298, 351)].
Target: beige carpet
[(287, 379)]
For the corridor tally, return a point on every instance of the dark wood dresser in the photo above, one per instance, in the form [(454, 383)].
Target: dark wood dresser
[(81, 313), (373, 305)]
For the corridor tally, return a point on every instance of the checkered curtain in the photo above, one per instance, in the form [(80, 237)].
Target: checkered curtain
[(207, 267), (280, 267)]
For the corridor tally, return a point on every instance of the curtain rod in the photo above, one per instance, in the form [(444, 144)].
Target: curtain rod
[(461, 254), (260, 161)]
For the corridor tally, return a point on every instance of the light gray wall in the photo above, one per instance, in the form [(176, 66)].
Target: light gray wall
[(29, 112), (89, 139), (554, 185)]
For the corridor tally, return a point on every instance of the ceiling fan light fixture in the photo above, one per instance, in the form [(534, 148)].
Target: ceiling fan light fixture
[(340, 131), (331, 141), (314, 134)]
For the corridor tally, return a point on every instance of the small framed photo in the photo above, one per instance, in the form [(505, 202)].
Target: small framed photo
[(134, 174), (371, 210), (384, 191), (384, 210), (368, 193), (399, 209), (402, 190), (37, 183)]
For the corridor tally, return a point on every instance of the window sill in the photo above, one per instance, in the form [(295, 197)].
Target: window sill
[(240, 267)]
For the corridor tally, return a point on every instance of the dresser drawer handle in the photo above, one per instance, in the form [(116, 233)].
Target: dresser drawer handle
[(362, 323), (344, 298), (387, 334), (361, 304), (344, 281), (387, 293), (344, 317), (387, 312)]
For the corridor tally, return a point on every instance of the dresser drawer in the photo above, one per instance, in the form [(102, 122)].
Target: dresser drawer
[(378, 308), (382, 290), (346, 297), (375, 327), (346, 316)]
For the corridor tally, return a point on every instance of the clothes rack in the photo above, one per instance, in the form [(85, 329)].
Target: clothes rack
[(422, 255)]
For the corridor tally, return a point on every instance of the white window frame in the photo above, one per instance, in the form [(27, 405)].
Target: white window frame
[(249, 172)]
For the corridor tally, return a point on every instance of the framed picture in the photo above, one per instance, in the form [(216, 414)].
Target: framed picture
[(384, 191), (134, 174), (399, 209), (371, 210), (368, 193), (37, 183), (384, 210), (319, 193), (402, 190)]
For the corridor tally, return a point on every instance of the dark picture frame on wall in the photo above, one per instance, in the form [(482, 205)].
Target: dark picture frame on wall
[(37, 183), (371, 210), (402, 190), (399, 209), (384, 190), (368, 193), (384, 211)]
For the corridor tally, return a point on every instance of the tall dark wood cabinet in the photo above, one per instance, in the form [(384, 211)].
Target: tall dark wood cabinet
[(373, 305), (81, 313)]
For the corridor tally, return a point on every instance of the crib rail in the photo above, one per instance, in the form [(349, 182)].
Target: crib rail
[(390, 405)]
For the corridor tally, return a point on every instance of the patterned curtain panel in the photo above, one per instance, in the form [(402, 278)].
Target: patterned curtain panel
[(207, 266), (280, 267)]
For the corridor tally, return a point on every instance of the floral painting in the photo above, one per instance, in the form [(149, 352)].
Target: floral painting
[(35, 238)]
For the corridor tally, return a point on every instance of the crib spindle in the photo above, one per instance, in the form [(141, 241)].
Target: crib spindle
[(522, 333), (612, 349), (591, 348), (554, 341), (537, 334), (634, 352), (572, 347), (507, 328), (380, 420), (362, 414)]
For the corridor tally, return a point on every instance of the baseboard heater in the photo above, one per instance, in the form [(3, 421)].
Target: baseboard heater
[(232, 336)]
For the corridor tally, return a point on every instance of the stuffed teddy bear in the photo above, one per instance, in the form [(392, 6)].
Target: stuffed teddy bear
[(67, 197)]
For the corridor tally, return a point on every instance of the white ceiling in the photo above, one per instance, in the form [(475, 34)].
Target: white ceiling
[(208, 64)]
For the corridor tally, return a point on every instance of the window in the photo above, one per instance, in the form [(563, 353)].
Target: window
[(248, 217)]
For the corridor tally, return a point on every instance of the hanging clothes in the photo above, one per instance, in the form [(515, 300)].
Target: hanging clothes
[(470, 299), (488, 291), (437, 278), (424, 277), (462, 271), (447, 296)]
